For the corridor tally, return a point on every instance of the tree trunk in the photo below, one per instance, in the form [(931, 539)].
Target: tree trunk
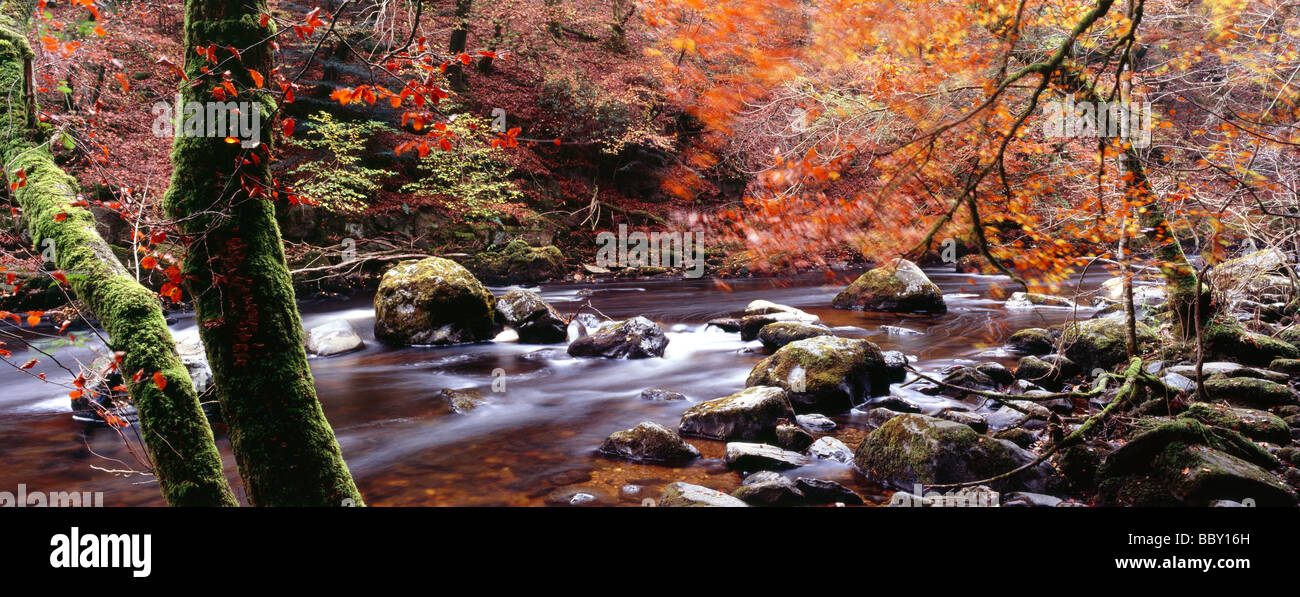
[(175, 432), (235, 270), (459, 37)]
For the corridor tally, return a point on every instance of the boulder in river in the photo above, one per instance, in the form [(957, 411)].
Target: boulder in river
[(774, 490), (752, 413), (98, 395), (793, 437), (463, 400), (900, 286), (910, 449), (1100, 343), (333, 337), (636, 338), (661, 395), (1030, 300), (825, 491), (686, 495), (433, 301), (649, 442), (748, 456), (829, 448), (1049, 371), (1032, 341), (824, 374), (519, 263), (776, 335), (532, 318)]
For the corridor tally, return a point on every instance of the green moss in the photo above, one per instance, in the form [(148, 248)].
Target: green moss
[(824, 373), (1249, 392), (1225, 339), (1254, 424), (1101, 343)]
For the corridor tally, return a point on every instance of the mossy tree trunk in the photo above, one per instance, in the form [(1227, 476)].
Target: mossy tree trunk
[(175, 432), (235, 270)]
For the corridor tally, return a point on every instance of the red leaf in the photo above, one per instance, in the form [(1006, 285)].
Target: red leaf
[(29, 364), (59, 217), (159, 381), (286, 127), (60, 276), (148, 262)]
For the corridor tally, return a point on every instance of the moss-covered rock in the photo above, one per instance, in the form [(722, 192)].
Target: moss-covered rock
[(686, 495), (1225, 339), (900, 286), (1233, 273), (824, 374), (774, 490), (636, 338), (1249, 392), (1287, 366), (1049, 371), (519, 263), (1100, 343), (910, 449), (776, 335), (649, 442), (752, 413), (1255, 424), (433, 301), (462, 401), (532, 318), (751, 324), (1032, 341)]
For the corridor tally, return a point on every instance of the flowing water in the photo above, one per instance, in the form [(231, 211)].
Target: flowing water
[(533, 443)]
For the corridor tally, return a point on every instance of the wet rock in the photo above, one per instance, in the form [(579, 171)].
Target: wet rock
[(519, 263), (969, 419), (533, 319), (1254, 424), (910, 449), (1049, 371), (815, 422), (1100, 343), (829, 448), (895, 365), (433, 301), (750, 325), (894, 403), (1030, 300), (685, 495), (636, 338), (749, 457), (752, 413), (824, 374), (900, 286), (726, 324), (776, 335), (1207, 369), (1290, 456), (462, 401), (793, 437), (331, 338), (760, 477), (894, 330), (968, 378), (762, 307), (1032, 341), (771, 491), (579, 497), (661, 395), (1249, 392), (825, 491), (997, 372), (1018, 436), (649, 442)]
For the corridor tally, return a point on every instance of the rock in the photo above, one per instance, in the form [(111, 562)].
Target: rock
[(1031, 500), (825, 374), (969, 419), (1207, 369), (829, 448), (815, 422), (331, 338), (900, 286), (1049, 371), (1225, 340), (893, 330), (1032, 341), (968, 378), (1287, 366), (750, 325), (533, 319), (649, 442), (824, 491), (793, 437), (894, 403), (684, 495), (1018, 436), (877, 416), (581, 497), (1100, 343), (1290, 456), (776, 335), (519, 263), (636, 338), (1030, 300), (749, 457), (772, 491), (911, 449), (1254, 424), (1249, 392), (1178, 382), (752, 413), (895, 365), (726, 324), (462, 401), (1234, 272), (661, 395), (190, 350), (1144, 294), (997, 372), (761, 477), (433, 301), (762, 307)]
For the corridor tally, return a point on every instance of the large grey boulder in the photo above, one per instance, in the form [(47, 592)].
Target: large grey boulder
[(433, 301), (636, 338), (900, 286), (752, 413)]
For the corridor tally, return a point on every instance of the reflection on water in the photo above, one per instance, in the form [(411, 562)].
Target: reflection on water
[(537, 438)]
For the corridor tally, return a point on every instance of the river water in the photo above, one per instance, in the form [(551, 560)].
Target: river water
[(534, 443)]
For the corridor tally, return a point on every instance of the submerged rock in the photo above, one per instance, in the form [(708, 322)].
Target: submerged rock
[(753, 457), (910, 449), (776, 335), (684, 495), (532, 318), (636, 338), (900, 286), (433, 301), (661, 395), (752, 413), (331, 338), (649, 442), (827, 373)]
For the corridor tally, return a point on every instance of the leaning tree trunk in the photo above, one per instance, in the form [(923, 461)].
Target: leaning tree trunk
[(235, 270), (175, 432)]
